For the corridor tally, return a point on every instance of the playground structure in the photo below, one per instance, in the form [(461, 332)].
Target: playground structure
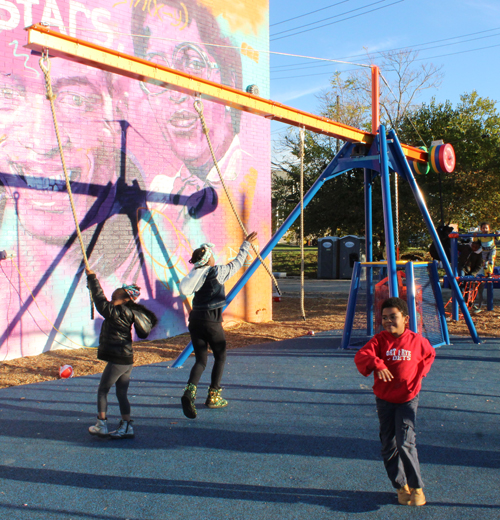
[(375, 152), (471, 283), (418, 284)]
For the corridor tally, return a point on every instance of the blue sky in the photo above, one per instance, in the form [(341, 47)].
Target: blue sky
[(461, 35)]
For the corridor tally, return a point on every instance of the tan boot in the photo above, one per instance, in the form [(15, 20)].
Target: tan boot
[(214, 399), (417, 497), (404, 495)]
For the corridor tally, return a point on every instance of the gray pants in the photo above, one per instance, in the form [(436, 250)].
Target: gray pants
[(397, 434), (118, 375)]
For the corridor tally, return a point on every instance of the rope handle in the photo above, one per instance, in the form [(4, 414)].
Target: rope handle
[(198, 106), (302, 263), (45, 65)]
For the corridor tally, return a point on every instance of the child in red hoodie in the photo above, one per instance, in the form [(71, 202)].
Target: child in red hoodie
[(399, 359)]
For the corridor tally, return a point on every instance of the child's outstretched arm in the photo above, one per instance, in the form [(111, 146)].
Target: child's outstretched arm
[(224, 272), (105, 308)]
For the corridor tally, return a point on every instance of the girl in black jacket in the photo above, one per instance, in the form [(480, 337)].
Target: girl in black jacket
[(115, 347)]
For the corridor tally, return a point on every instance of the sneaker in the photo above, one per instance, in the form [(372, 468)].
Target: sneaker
[(214, 399), (125, 430), (187, 401), (100, 429), (404, 495), (417, 497)]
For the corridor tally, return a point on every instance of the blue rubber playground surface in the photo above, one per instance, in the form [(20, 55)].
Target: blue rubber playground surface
[(299, 440)]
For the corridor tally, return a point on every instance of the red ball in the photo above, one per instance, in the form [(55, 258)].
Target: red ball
[(66, 372), (310, 333)]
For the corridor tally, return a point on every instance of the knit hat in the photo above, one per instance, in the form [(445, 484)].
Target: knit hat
[(206, 257), (132, 290)]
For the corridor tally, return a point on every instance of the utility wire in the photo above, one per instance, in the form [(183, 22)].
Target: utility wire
[(338, 21), (307, 14), (294, 65), (329, 18)]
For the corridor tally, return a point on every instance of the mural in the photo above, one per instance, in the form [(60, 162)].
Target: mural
[(145, 187)]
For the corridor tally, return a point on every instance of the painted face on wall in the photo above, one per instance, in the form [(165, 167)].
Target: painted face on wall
[(182, 49), (30, 164)]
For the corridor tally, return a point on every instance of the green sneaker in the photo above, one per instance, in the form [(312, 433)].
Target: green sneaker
[(214, 400), (187, 401)]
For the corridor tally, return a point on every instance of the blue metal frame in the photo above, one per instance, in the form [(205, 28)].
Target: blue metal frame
[(388, 224), (438, 297), (378, 158), (368, 184), (454, 266), (351, 305), (411, 296), (331, 171), (400, 164)]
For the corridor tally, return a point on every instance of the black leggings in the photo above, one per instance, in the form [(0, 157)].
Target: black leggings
[(203, 334), (118, 375)]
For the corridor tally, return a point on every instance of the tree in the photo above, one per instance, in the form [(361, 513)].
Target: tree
[(472, 192)]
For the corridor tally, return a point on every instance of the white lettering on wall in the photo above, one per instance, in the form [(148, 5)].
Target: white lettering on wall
[(103, 13), (14, 16), (28, 12), (52, 16), (74, 8)]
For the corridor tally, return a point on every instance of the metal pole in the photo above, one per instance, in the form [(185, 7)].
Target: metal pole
[(368, 250), (351, 305), (388, 225), (410, 296), (454, 266), (403, 165)]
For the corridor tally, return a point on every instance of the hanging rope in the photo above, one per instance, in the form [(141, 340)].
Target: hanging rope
[(198, 105), (45, 66), (302, 268)]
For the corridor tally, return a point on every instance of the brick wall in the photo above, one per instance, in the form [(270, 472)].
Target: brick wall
[(145, 190)]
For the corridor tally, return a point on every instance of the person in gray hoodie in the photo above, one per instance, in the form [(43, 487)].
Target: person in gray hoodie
[(206, 281)]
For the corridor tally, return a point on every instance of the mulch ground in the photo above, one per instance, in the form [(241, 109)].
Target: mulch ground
[(322, 314)]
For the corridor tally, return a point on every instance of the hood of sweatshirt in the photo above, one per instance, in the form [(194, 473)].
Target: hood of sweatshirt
[(194, 280)]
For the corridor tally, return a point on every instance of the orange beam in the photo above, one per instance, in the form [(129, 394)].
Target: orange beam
[(41, 37)]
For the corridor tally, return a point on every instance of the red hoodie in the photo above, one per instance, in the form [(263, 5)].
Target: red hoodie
[(408, 358)]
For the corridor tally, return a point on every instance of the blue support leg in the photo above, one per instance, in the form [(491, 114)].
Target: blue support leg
[(410, 296), (489, 294), (454, 266), (402, 166), (388, 224), (329, 173), (369, 250), (351, 305), (438, 297)]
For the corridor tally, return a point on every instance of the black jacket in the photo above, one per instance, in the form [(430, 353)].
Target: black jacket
[(115, 339)]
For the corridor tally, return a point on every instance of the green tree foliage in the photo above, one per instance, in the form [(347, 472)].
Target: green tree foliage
[(472, 192)]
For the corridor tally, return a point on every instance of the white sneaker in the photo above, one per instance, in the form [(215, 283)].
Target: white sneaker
[(100, 429), (125, 430)]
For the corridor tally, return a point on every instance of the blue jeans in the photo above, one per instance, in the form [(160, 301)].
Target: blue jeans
[(397, 435)]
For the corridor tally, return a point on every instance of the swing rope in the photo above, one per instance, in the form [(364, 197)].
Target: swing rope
[(45, 66), (198, 105), (302, 138)]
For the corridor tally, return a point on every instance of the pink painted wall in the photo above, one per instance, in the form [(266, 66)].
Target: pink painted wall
[(145, 189)]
